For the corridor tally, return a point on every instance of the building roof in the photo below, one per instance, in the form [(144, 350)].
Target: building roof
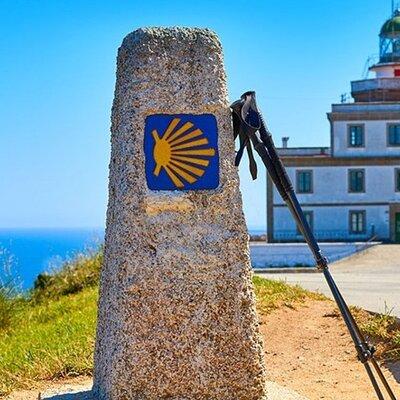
[(392, 26)]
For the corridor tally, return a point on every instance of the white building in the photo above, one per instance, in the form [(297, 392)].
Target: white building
[(351, 190)]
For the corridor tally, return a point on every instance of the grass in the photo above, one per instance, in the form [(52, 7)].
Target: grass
[(50, 340), (49, 334), (9, 296), (274, 294), (75, 275), (383, 330), (8, 303)]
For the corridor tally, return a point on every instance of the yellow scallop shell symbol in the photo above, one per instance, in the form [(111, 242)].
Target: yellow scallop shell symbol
[(181, 153)]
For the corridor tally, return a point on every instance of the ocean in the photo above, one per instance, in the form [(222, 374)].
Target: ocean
[(25, 253)]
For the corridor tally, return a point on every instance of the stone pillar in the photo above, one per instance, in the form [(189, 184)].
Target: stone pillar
[(177, 313)]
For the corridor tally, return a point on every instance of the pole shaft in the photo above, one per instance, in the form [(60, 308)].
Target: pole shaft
[(263, 143), (383, 379)]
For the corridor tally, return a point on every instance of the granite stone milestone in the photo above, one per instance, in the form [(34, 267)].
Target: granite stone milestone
[(177, 315)]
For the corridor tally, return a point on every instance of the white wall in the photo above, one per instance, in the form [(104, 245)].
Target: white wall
[(375, 139), (330, 185), (266, 255), (385, 71), (335, 220)]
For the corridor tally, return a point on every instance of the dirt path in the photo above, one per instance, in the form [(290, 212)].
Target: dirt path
[(79, 389), (80, 384), (308, 350)]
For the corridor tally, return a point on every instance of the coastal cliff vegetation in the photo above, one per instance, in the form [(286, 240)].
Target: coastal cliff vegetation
[(48, 332)]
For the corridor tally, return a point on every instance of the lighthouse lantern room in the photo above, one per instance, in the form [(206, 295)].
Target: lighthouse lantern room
[(389, 49)]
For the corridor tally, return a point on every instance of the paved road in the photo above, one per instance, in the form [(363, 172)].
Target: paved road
[(370, 279)]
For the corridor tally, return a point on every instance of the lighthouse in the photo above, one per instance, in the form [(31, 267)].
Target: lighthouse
[(386, 84), (350, 191)]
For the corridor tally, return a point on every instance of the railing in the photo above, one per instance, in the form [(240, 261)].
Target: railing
[(323, 235), (375, 84), (371, 60)]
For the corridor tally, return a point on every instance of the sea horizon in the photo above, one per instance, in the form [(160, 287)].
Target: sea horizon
[(25, 252)]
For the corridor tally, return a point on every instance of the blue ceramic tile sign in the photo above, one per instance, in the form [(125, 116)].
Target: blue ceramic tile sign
[(181, 152)]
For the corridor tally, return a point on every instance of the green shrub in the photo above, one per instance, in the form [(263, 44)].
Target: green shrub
[(75, 275)]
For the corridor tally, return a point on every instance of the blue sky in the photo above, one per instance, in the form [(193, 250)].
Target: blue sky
[(57, 74)]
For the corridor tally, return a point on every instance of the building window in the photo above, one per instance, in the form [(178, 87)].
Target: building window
[(356, 136), (397, 179), (304, 181), (356, 181), (357, 222), (394, 135), (309, 216)]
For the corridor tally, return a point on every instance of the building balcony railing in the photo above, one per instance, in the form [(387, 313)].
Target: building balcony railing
[(375, 84), (324, 235)]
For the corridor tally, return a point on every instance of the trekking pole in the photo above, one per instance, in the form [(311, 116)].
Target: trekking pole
[(249, 126)]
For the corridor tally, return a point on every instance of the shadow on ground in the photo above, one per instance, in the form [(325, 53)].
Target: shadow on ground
[(84, 395), (394, 368)]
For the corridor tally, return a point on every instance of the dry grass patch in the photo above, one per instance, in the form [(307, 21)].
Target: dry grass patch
[(273, 294), (382, 330)]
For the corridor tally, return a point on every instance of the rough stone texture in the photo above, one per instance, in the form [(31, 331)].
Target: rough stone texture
[(177, 313)]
